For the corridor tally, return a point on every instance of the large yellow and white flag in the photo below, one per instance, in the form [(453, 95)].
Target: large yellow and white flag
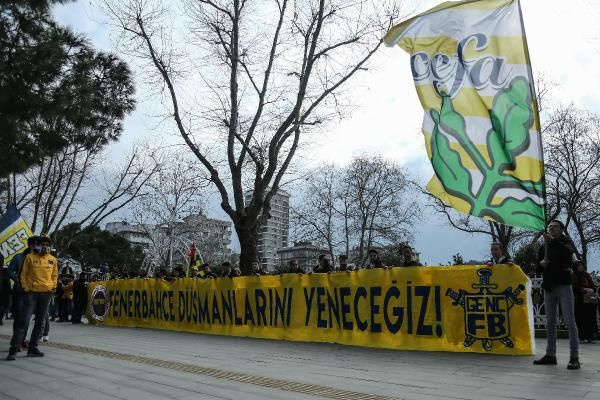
[(471, 67)]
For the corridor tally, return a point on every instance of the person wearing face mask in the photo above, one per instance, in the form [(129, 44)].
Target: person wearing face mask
[(18, 300), (38, 278)]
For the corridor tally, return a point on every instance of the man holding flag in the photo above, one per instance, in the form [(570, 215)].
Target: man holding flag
[(471, 68), (195, 261)]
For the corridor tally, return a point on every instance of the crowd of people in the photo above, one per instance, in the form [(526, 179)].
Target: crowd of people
[(229, 270), (39, 289)]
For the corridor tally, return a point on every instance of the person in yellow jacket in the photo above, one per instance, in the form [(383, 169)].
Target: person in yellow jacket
[(38, 278), (65, 304)]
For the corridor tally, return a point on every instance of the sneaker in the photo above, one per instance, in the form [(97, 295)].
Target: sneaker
[(12, 355), (45, 338), (34, 352), (573, 364), (546, 360)]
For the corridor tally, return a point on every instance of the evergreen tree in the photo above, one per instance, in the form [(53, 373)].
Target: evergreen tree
[(55, 90), (93, 247)]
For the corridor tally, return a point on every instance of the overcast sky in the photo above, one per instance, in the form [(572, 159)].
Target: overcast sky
[(564, 44)]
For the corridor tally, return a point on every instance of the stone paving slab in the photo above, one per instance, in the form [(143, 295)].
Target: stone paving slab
[(153, 365)]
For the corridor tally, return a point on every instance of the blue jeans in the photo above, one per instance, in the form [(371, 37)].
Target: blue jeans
[(562, 294), (35, 303)]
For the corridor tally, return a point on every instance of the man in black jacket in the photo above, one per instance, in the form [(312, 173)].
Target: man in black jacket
[(324, 266), (556, 270), (79, 298)]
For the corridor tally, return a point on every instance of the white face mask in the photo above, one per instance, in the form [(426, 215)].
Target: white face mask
[(37, 249)]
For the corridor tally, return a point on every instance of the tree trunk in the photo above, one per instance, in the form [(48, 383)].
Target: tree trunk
[(248, 236)]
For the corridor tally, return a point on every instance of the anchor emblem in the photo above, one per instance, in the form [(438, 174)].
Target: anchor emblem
[(487, 312)]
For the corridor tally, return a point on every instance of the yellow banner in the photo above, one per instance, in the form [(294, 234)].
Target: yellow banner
[(459, 308)]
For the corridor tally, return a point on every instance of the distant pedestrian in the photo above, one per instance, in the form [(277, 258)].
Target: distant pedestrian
[(79, 298), (38, 278), (324, 265), (194, 274), (499, 255), (294, 268), (236, 272), (344, 266), (207, 272), (161, 274), (256, 269), (409, 257), (556, 272), (178, 272), (586, 303), (65, 303), (226, 270), (374, 260)]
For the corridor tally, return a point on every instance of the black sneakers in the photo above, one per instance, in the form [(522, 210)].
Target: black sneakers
[(34, 352), (12, 355), (546, 360), (573, 364), (551, 360)]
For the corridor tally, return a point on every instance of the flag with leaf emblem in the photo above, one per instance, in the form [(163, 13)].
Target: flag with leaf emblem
[(471, 68)]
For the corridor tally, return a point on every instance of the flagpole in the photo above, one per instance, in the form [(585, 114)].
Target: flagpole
[(537, 112)]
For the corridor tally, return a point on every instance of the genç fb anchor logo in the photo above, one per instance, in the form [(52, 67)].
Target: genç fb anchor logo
[(486, 312), (99, 303)]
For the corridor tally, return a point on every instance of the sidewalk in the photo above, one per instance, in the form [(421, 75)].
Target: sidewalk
[(87, 362)]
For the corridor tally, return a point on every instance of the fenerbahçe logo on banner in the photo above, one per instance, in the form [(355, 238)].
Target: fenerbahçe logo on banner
[(99, 303), (486, 312)]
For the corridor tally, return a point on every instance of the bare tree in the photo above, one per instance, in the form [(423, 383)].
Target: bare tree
[(572, 148), (382, 208), (365, 204), (175, 192), (249, 79), (73, 186), (46, 190), (316, 217)]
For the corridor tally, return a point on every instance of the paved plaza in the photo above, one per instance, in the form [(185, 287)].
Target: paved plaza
[(88, 362)]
